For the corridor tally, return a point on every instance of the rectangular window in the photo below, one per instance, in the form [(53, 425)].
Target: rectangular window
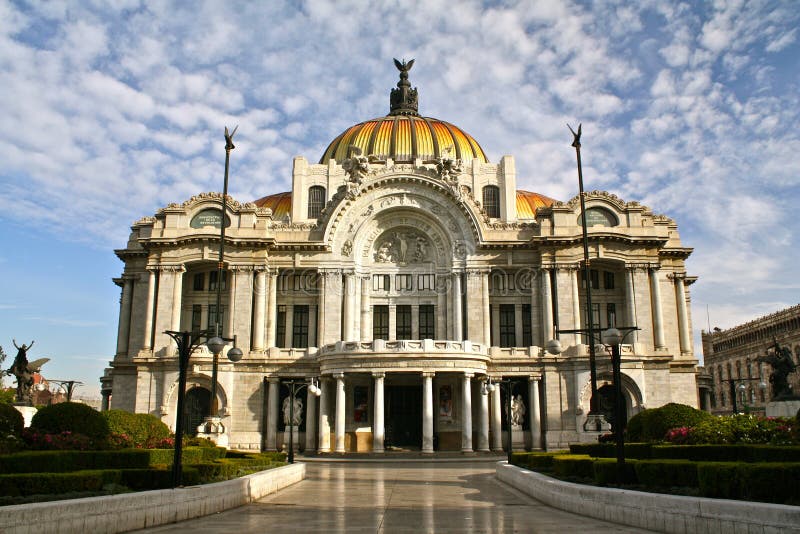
[(608, 280), (280, 327), (316, 201), (212, 317), (197, 315), (300, 327), (199, 281), (380, 322), (403, 322), (594, 275), (360, 404), (403, 282), (426, 282), (507, 326), (596, 316), (427, 322), (611, 315), (527, 332), (498, 281), (491, 201), (380, 282), (212, 280)]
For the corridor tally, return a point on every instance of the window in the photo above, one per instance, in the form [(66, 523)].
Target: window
[(212, 280), (594, 276), (598, 216), (427, 322), (507, 327), (403, 322), (403, 282), (280, 327), (380, 322), (596, 316), (301, 282), (212, 317), (199, 281), (611, 315), (380, 282), (197, 316), (426, 282), (491, 201), (300, 327), (527, 333), (608, 280), (316, 201)]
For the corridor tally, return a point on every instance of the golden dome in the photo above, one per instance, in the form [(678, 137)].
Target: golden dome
[(279, 203), (528, 202), (403, 135)]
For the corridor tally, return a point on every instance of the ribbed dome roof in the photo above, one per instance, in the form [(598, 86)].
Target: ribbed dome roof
[(403, 135)]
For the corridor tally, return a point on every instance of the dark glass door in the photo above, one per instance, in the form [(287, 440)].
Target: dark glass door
[(198, 407), (403, 409)]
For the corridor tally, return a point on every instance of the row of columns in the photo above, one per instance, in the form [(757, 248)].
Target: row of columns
[(321, 439)]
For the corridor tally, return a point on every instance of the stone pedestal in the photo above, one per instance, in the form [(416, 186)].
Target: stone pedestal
[(517, 438), (213, 429), (596, 423), (27, 413), (295, 437), (783, 408)]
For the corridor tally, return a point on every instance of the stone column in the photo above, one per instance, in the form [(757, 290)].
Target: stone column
[(658, 321), (311, 421), (497, 421), (683, 315), (474, 311), (487, 326), (366, 323), (441, 307), (495, 325), (392, 321), (273, 397), (230, 323), (287, 337), (331, 301), (534, 414), (105, 402), (466, 413), (177, 297), (427, 413), (483, 425), (518, 325), (324, 430), (547, 307), (349, 307), (123, 331), (378, 429), (415, 321), (340, 412), (458, 332), (630, 302), (272, 309), (576, 304), (148, 312), (260, 298)]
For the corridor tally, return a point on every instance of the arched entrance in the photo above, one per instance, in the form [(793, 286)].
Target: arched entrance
[(607, 405), (198, 407)]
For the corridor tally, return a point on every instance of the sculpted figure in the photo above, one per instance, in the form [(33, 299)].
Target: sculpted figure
[(298, 412), (517, 410), (780, 358), (23, 372)]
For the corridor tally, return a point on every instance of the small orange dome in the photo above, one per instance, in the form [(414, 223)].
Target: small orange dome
[(279, 203), (528, 202)]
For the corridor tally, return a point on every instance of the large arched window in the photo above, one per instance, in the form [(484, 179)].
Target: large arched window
[(316, 201), (491, 201)]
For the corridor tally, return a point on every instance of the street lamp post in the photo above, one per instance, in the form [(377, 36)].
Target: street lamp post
[(68, 386), (295, 387), (187, 342), (741, 388), (508, 386)]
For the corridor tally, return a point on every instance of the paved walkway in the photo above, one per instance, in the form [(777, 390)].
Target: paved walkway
[(356, 497)]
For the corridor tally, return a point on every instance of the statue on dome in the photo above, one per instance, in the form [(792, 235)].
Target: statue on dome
[(403, 99), (356, 166), (449, 168)]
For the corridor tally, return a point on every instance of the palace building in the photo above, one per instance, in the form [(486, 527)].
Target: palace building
[(400, 273)]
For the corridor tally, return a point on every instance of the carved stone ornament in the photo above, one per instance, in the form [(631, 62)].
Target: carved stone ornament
[(356, 166), (448, 169), (403, 247), (459, 250), (347, 248)]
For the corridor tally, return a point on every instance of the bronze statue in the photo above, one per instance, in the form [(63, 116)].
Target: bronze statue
[(23, 370), (780, 358)]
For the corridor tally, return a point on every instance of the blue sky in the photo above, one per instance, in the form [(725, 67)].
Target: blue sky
[(111, 110)]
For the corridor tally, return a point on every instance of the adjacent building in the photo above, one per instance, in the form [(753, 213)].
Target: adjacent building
[(402, 271)]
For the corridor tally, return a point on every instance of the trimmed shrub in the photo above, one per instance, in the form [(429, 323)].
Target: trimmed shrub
[(653, 424), (771, 482), (573, 466), (150, 479), (667, 473), (55, 483), (11, 421), (72, 417), (606, 472), (63, 461), (698, 453), (719, 480), (139, 430), (609, 450)]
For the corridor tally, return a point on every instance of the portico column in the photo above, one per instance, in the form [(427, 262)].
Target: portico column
[(458, 334), (466, 413), (123, 331), (148, 313), (547, 306), (340, 412), (427, 413), (349, 307), (324, 432), (630, 302), (533, 413), (658, 321), (272, 309), (683, 316), (483, 426), (311, 420), (229, 319), (177, 290), (272, 413), (366, 330), (378, 430), (260, 298), (441, 307), (487, 326), (497, 421), (576, 305)]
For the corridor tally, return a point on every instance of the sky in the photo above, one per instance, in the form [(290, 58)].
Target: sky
[(112, 110)]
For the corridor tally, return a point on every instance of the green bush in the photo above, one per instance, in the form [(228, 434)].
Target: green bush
[(698, 453), (609, 450), (652, 425), (65, 461), (606, 471), (772, 482), (719, 480), (667, 473), (72, 417), (573, 466), (55, 483), (11, 421), (140, 430), (151, 479)]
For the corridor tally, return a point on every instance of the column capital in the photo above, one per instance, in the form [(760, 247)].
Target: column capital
[(535, 378), (273, 379), (642, 266), (338, 376), (469, 375), (378, 375), (428, 374), (677, 276), (477, 271)]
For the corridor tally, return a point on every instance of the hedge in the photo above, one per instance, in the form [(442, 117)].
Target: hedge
[(653, 424), (138, 429), (606, 471), (609, 450), (72, 417), (666, 473), (21, 484), (573, 465)]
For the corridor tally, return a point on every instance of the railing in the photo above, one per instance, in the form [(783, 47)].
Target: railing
[(404, 346)]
